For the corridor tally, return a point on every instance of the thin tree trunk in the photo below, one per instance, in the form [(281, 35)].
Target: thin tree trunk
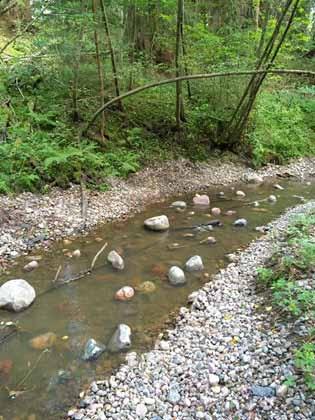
[(179, 97), (269, 59), (99, 68), (111, 50), (263, 30), (185, 64)]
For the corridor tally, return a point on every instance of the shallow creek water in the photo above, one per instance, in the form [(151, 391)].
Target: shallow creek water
[(86, 308)]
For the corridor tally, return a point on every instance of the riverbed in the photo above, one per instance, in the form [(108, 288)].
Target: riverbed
[(86, 308)]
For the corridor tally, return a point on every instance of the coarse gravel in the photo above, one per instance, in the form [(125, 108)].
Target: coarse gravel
[(33, 220), (226, 358)]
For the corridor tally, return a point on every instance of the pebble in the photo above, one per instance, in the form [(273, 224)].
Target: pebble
[(141, 410), (31, 266), (240, 193), (240, 223), (76, 253), (215, 211), (272, 198)]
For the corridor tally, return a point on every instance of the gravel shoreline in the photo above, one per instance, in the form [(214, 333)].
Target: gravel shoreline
[(33, 220), (219, 349)]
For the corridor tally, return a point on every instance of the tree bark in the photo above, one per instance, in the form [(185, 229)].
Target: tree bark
[(179, 97), (100, 69), (111, 50)]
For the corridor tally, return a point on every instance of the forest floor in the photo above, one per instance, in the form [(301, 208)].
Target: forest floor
[(230, 356), (32, 220)]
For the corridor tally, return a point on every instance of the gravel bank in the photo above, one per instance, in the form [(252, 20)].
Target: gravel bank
[(221, 351), (30, 220)]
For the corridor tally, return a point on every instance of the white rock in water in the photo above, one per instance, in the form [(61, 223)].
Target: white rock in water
[(240, 223), (179, 204), (31, 266), (176, 276), (253, 179), (76, 253), (272, 199), (16, 295), (278, 187), (116, 261), (194, 264), (201, 200), (240, 193), (157, 223), (121, 339)]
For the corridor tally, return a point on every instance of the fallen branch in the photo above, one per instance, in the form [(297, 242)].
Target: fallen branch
[(78, 276), (191, 77)]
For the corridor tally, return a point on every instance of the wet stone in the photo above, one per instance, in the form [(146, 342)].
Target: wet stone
[(157, 223), (121, 339), (115, 260), (93, 350), (240, 223), (179, 204), (176, 276), (194, 264)]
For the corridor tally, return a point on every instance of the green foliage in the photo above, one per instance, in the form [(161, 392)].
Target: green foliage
[(305, 360), (291, 295), (292, 298), (265, 276), (283, 127)]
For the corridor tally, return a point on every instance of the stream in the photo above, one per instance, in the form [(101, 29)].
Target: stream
[(86, 308)]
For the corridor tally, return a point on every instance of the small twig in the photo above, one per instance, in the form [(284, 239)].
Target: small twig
[(97, 255), (57, 274), (31, 370)]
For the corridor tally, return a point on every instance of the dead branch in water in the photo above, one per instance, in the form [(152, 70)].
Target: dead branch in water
[(78, 276)]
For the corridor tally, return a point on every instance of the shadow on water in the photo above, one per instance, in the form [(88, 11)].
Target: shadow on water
[(87, 308)]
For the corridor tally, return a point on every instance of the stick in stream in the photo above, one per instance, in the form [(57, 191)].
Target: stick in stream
[(78, 276)]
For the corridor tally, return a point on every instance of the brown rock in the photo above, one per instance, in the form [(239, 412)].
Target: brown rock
[(44, 341), (5, 367), (159, 270)]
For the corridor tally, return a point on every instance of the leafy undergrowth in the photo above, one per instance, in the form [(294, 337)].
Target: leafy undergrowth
[(290, 276), (283, 126)]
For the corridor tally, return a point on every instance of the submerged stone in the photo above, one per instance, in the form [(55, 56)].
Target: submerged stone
[(216, 211), (93, 350), (44, 341), (179, 204), (125, 293), (240, 223), (121, 339), (201, 200), (146, 287), (240, 193), (272, 198), (176, 276), (115, 260), (16, 295), (157, 223), (194, 264), (31, 266)]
